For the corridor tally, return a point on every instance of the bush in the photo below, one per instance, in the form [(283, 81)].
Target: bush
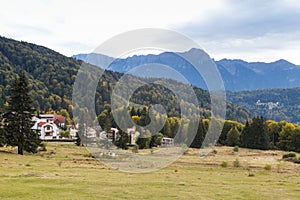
[(224, 164), (65, 134), (236, 149), (268, 167), (43, 147), (289, 155), (135, 148), (297, 160), (236, 163), (88, 155)]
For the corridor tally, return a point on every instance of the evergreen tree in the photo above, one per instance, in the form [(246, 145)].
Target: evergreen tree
[(18, 125), (123, 140), (233, 137), (198, 140), (145, 119), (166, 129), (255, 134), (78, 140)]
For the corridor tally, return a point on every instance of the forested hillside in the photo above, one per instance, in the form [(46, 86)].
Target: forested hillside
[(275, 104), (52, 76)]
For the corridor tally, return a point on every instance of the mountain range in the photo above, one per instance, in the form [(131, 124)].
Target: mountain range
[(52, 76), (237, 75)]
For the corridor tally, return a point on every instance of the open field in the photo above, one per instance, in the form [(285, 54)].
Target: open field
[(65, 171)]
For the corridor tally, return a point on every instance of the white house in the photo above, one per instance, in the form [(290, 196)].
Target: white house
[(110, 135), (133, 135), (73, 130), (47, 130), (59, 120)]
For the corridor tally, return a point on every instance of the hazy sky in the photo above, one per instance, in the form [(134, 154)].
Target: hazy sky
[(253, 30)]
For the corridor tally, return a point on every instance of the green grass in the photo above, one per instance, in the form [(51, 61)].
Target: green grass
[(67, 174)]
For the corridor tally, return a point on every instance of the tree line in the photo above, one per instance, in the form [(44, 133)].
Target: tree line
[(256, 133)]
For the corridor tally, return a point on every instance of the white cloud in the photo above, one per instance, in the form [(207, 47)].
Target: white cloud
[(251, 30)]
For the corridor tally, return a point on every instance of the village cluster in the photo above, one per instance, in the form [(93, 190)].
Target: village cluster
[(50, 126)]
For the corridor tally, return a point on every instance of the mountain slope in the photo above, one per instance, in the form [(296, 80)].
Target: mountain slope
[(275, 104), (240, 75), (50, 73), (52, 76), (237, 75)]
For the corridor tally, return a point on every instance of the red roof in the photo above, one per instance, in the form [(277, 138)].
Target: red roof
[(60, 118), (54, 117), (41, 123)]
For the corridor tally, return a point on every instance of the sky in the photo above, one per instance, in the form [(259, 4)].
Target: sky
[(252, 30)]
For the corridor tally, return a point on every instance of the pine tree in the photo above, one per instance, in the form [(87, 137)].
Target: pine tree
[(18, 125), (199, 137), (233, 137), (255, 134), (123, 140)]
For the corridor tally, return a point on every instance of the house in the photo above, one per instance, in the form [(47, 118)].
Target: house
[(73, 130), (48, 125), (111, 135), (167, 142), (47, 130), (59, 120), (133, 136)]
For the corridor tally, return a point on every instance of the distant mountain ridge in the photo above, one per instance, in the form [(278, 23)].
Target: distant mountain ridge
[(238, 75)]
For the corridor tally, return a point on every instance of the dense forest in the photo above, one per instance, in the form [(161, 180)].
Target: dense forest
[(274, 104), (52, 76)]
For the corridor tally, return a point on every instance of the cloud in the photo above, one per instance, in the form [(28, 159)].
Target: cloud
[(222, 27), (253, 30), (246, 19)]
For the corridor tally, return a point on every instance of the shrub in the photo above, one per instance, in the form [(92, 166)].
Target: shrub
[(250, 173), (135, 148), (88, 155), (236, 149), (65, 134), (224, 164), (42, 147), (268, 167), (236, 163), (297, 160), (289, 155)]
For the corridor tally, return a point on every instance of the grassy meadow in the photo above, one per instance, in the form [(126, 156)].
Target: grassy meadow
[(66, 171)]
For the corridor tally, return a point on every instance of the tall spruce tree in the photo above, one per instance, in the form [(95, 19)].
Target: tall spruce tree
[(199, 137), (233, 137), (18, 124), (255, 134)]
